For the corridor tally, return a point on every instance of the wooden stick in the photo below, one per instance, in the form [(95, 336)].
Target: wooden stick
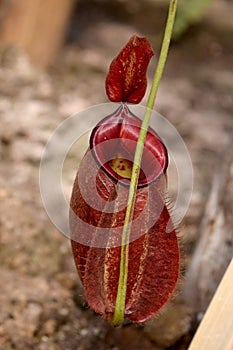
[(36, 26), (216, 329)]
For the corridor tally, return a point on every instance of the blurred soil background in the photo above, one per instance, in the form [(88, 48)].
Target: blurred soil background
[(41, 302)]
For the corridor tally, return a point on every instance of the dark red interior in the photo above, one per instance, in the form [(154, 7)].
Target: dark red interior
[(118, 134)]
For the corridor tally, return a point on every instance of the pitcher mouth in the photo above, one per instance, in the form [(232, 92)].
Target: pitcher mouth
[(113, 143)]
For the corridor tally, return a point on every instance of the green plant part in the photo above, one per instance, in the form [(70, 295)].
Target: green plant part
[(121, 294), (189, 13)]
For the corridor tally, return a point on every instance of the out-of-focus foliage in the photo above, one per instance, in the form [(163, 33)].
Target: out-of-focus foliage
[(189, 12)]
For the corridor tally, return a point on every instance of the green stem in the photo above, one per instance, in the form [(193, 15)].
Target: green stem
[(119, 312)]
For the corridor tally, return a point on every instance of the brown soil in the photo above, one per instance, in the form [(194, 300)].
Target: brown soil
[(40, 295)]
